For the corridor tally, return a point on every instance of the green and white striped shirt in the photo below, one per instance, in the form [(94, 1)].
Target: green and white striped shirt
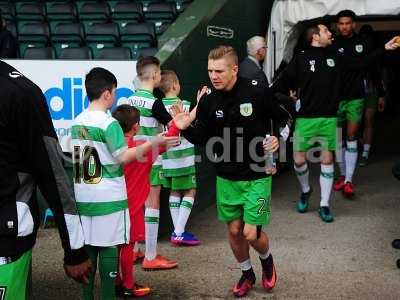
[(179, 160), (144, 100), (99, 182)]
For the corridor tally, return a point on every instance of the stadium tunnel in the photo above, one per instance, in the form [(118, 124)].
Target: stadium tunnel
[(288, 21)]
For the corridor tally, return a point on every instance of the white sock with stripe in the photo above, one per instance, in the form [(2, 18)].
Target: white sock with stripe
[(326, 182), (151, 218), (302, 175), (342, 162), (351, 159), (366, 150), (184, 213), (174, 203)]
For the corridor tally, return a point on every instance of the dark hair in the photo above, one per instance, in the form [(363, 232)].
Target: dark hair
[(366, 30), (127, 116), (145, 61), (97, 81), (346, 13), (310, 31)]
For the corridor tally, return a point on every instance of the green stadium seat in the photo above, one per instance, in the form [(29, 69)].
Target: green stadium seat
[(124, 12), (30, 11), (161, 14), (147, 52), (67, 35), (33, 35), (146, 3), (136, 36), (75, 53), (114, 53), (39, 53), (102, 35), (93, 12), (180, 4), (61, 11)]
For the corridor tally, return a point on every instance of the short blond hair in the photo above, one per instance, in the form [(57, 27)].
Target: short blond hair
[(226, 52), (168, 78)]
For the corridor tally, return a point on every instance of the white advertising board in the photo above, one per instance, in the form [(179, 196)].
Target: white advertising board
[(63, 84)]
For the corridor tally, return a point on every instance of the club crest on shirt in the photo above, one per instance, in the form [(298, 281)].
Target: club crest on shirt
[(359, 48), (246, 109), (330, 62)]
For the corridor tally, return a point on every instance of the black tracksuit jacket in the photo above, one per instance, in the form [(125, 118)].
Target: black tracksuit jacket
[(30, 157), (232, 126)]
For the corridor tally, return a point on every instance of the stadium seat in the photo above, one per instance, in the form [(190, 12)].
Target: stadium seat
[(116, 53), (147, 52), (61, 11), (75, 53), (39, 53), (102, 35), (93, 12), (30, 11), (124, 12), (7, 11), (180, 4), (161, 14), (146, 3), (33, 35), (66, 35), (136, 36)]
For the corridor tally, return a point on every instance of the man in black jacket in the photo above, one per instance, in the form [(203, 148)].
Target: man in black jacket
[(352, 97), (30, 157), (232, 121), (316, 76), (251, 66), (8, 43)]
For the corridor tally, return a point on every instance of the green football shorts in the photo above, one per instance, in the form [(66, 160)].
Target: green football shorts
[(13, 278), (157, 176), (351, 110), (311, 131), (247, 200), (179, 183)]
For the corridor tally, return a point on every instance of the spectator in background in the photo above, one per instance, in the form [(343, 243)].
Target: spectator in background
[(8, 43), (251, 66)]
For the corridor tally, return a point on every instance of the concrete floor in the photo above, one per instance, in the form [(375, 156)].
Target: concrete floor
[(351, 258)]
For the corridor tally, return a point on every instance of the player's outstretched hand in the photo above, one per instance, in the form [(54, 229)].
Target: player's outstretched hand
[(79, 273), (201, 92), (272, 145), (167, 141), (182, 120), (393, 44), (177, 108)]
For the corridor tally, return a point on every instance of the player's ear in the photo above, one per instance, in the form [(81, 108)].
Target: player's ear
[(235, 68)]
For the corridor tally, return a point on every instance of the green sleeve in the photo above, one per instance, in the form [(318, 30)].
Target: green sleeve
[(115, 139)]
